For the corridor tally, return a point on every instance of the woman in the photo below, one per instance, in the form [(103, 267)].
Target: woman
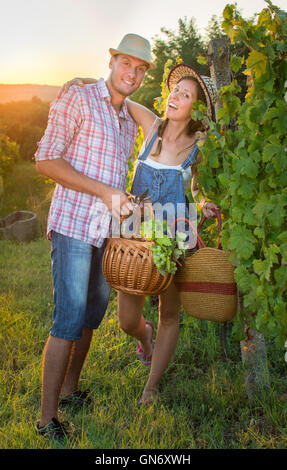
[(166, 166)]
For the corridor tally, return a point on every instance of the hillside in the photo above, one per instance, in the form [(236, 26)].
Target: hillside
[(26, 92)]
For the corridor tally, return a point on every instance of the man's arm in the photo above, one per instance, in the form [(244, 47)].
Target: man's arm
[(64, 121), (60, 171)]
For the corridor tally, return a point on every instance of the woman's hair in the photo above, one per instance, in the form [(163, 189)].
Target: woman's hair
[(193, 125)]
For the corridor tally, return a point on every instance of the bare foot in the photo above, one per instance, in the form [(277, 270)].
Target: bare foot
[(150, 396)]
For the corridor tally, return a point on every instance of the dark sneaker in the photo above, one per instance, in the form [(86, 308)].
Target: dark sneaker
[(77, 399), (54, 430)]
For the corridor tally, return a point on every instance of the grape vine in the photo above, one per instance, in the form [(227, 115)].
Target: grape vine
[(244, 168)]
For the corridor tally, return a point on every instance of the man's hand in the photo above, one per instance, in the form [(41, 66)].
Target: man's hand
[(117, 202)]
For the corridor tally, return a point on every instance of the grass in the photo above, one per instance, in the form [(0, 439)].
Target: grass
[(203, 400)]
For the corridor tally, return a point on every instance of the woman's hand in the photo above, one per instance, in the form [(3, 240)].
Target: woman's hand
[(210, 209), (75, 81)]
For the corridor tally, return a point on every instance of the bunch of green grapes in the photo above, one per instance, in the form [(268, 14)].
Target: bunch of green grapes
[(163, 259), (166, 250)]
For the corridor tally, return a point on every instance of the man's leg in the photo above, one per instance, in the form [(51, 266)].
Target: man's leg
[(56, 359), (78, 355), (71, 263), (97, 302)]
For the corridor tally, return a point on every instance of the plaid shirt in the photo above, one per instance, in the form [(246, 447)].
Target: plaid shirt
[(84, 129)]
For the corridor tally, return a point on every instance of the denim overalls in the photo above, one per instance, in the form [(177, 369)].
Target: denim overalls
[(165, 185)]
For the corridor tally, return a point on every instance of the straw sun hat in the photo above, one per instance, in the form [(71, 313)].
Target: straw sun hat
[(135, 46), (207, 84)]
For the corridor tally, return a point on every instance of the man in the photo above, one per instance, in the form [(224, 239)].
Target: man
[(85, 148)]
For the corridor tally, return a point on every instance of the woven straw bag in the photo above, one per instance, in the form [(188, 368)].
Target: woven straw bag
[(206, 282)]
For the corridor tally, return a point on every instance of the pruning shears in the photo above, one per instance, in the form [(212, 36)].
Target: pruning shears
[(136, 200)]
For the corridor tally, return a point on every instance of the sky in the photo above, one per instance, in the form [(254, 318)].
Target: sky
[(50, 42)]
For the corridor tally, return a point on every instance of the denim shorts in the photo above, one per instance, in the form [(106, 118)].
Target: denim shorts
[(81, 294)]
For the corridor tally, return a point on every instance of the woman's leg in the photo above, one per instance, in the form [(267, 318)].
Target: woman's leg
[(131, 319), (166, 339)]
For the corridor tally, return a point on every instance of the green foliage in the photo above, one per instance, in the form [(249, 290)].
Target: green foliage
[(160, 101), (9, 154), (24, 122), (244, 168), (166, 250)]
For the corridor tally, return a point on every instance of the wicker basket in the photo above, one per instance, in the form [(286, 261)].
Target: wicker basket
[(206, 283), (128, 266)]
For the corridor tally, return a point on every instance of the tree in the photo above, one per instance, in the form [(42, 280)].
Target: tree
[(24, 122), (9, 154), (215, 30)]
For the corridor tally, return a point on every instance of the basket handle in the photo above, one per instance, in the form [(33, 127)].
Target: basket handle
[(203, 219)]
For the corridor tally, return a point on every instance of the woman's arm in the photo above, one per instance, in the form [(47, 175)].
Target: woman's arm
[(142, 115), (76, 81)]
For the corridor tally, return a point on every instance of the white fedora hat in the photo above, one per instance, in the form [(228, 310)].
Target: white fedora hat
[(135, 46)]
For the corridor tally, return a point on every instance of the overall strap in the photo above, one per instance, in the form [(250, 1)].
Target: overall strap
[(148, 148), (154, 124), (190, 159)]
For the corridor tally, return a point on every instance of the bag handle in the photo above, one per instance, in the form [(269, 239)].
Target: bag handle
[(200, 243), (203, 219)]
